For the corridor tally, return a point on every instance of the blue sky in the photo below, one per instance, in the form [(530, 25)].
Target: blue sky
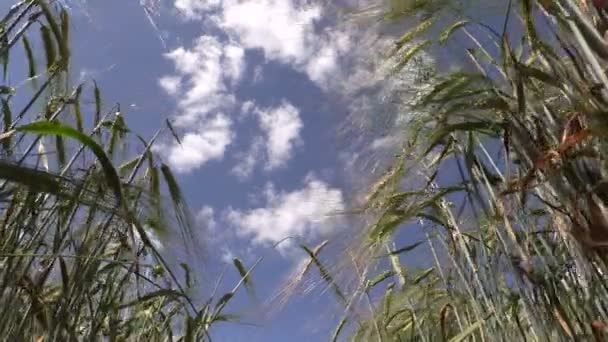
[(283, 113)]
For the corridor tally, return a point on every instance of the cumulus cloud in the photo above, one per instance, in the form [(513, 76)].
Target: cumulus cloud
[(281, 29), (325, 61), (284, 30), (219, 238), (280, 132), (204, 75), (170, 84), (234, 62), (282, 126), (336, 54), (207, 143), (247, 160), (206, 217), (305, 213), (201, 86)]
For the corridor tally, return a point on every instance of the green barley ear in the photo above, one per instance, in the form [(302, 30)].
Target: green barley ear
[(180, 206), (50, 128), (77, 261), (505, 169)]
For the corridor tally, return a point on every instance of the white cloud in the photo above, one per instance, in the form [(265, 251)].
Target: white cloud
[(201, 85), (247, 107), (170, 84), (325, 61), (282, 127), (234, 62), (305, 213), (201, 66), (281, 29), (321, 64), (285, 30), (206, 217), (207, 143), (280, 134), (247, 160), (218, 238), (227, 256), (192, 9)]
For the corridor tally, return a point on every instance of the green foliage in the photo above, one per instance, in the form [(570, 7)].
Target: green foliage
[(519, 230), (77, 260)]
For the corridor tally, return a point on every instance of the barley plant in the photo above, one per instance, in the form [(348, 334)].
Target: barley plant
[(81, 214), (510, 157)]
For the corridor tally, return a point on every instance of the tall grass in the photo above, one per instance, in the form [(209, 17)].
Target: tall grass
[(80, 213), (512, 153)]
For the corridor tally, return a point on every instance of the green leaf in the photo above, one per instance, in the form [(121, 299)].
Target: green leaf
[(52, 128), (529, 71), (394, 217), (128, 166), (162, 293), (488, 127), (35, 180), (453, 84)]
